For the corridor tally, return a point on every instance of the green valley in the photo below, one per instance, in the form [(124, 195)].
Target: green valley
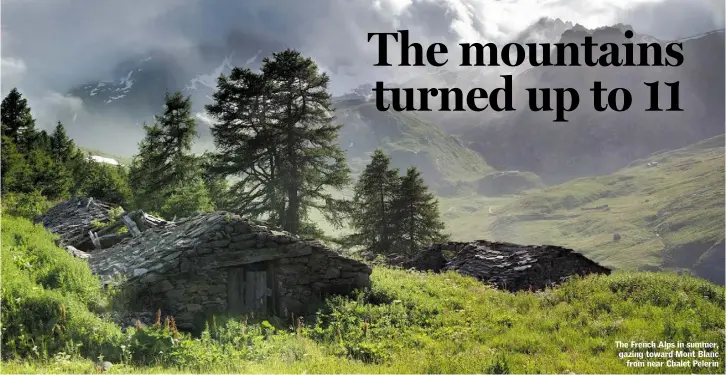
[(668, 210)]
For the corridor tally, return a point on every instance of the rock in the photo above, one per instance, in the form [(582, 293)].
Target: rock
[(104, 366), (77, 253), (506, 266), (140, 271), (332, 273), (430, 259), (616, 237), (163, 286), (369, 256)]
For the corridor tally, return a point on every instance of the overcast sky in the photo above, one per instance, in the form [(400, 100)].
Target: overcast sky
[(49, 46)]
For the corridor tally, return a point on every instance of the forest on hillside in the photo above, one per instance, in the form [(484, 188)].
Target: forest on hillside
[(277, 159)]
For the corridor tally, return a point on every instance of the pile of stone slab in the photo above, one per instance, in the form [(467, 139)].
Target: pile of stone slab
[(504, 265), (72, 220), (85, 224)]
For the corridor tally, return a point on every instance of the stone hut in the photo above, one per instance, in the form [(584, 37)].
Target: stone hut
[(504, 265), (219, 263)]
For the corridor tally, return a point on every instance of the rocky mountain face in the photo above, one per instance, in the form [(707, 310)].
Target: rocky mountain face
[(595, 143)]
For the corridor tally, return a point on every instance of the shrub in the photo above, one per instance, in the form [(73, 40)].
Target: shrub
[(27, 205)]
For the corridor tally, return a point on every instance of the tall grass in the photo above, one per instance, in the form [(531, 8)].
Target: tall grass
[(408, 322)]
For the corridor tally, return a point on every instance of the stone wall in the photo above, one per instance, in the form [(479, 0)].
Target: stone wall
[(183, 269), (506, 266)]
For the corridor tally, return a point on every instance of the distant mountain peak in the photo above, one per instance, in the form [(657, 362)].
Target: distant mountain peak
[(544, 30), (612, 33)]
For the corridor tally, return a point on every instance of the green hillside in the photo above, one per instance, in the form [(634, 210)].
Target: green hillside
[(443, 159), (668, 216), (409, 322)]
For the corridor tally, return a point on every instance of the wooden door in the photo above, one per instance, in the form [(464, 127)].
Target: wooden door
[(247, 290)]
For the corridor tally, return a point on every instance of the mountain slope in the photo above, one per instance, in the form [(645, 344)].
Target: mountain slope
[(443, 160), (597, 143), (668, 210), (410, 141), (545, 30)]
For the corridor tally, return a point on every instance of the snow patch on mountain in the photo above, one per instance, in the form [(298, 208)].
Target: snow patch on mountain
[(102, 159), (127, 82), (210, 80), (119, 88)]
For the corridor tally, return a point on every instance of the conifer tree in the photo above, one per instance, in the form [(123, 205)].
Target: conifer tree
[(40, 141), (144, 169), (49, 178), (311, 161), (371, 213), (80, 167), (248, 144), (179, 130), (415, 214), (16, 172), (108, 183), (17, 121), (275, 132), (216, 184), (61, 147), (165, 168)]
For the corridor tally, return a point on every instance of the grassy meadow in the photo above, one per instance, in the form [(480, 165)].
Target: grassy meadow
[(666, 214), (408, 322)]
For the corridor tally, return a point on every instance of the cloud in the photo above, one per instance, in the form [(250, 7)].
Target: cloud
[(12, 70), (675, 19), (66, 40), (12, 67), (51, 46)]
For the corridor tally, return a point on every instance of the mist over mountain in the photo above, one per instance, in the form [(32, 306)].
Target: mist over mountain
[(594, 142), (137, 91), (111, 71)]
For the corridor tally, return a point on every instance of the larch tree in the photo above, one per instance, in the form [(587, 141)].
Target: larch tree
[(371, 208), (17, 120), (247, 144), (61, 147), (276, 135), (311, 161), (165, 174), (415, 214), (15, 172)]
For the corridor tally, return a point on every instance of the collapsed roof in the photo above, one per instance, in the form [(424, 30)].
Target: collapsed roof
[(505, 265)]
